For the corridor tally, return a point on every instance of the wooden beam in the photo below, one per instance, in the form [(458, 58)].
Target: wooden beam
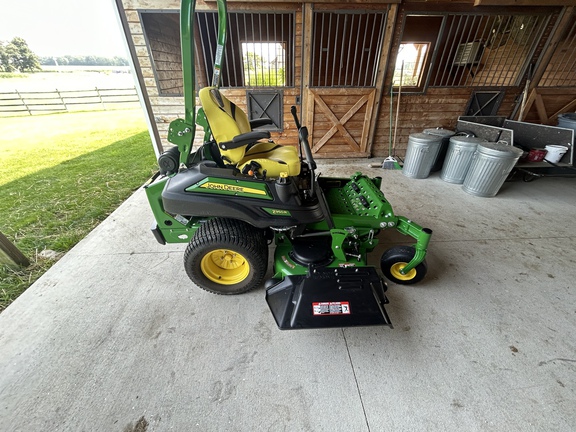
[(566, 108), (541, 109), (315, 1), (306, 97), (566, 19), (391, 17), (9, 254), (524, 3), (527, 104)]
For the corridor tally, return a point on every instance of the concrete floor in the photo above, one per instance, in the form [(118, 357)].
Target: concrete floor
[(115, 338)]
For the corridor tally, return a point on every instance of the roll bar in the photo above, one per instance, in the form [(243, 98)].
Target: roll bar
[(182, 131)]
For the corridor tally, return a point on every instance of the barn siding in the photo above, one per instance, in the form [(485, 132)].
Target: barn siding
[(439, 107)]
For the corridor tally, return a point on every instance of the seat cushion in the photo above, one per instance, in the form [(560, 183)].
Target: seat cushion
[(273, 158)]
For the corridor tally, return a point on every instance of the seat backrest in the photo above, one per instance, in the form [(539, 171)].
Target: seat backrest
[(226, 121)]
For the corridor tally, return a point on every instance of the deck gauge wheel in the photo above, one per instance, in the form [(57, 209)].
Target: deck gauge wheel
[(395, 259)]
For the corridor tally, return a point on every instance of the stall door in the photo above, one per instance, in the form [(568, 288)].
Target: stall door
[(341, 93)]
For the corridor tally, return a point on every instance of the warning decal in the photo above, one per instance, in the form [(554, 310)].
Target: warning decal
[(331, 308)]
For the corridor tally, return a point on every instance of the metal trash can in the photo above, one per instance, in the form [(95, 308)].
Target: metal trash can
[(568, 121), (459, 157), (420, 154), (491, 164), (445, 134)]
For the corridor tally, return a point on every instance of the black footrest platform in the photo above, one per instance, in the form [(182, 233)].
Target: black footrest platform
[(328, 297)]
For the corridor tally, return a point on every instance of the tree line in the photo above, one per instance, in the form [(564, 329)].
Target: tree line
[(70, 60), (16, 56)]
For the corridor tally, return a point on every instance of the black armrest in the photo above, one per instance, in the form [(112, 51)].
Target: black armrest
[(244, 139), (256, 123)]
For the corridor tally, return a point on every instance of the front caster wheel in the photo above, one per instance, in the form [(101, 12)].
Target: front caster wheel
[(227, 256), (398, 257)]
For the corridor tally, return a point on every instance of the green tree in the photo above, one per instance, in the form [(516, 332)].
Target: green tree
[(258, 72), (5, 65), (18, 56)]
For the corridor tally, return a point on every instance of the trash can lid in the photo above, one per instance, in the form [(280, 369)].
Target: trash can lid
[(424, 138), (439, 131), (499, 149), (465, 141), (567, 116)]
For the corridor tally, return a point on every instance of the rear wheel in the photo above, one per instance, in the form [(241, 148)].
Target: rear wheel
[(227, 256), (398, 257)]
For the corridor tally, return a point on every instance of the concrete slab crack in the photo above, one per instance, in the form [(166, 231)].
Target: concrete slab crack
[(356, 381)]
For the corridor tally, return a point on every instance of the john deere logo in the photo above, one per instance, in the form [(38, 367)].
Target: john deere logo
[(232, 188)]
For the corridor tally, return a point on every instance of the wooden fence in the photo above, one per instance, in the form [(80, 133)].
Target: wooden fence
[(29, 103)]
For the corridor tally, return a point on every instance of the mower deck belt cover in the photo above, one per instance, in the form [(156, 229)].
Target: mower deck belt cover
[(328, 297)]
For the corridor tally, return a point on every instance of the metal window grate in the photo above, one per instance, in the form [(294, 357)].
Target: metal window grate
[(259, 50), (346, 48), (485, 50), (561, 70)]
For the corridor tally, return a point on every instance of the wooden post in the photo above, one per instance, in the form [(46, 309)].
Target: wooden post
[(24, 102), (100, 97), (381, 88), (306, 96), (62, 100), (9, 254)]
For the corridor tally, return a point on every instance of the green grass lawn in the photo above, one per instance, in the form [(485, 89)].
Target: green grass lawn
[(61, 175)]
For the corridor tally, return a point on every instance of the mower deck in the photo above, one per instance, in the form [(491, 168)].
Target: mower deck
[(323, 298)]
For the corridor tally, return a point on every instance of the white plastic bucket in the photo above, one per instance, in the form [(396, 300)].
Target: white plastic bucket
[(555, 153)]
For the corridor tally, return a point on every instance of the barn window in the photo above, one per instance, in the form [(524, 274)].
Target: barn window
[(484, 50), (264, 64), (346, 48), (413, 59), (410, 64), (259, 50), (475, 50)]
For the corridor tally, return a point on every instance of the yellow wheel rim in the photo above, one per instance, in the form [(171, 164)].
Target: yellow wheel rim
[(395, 271), (225, 267)]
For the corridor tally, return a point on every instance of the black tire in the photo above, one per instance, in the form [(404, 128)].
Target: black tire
[(395, 258), (227, 256)]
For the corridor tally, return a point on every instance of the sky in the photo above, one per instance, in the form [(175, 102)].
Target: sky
[(62, 27)]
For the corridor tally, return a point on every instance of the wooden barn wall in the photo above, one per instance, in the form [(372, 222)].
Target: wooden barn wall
[(162, 32), (438, 107), (165, 108)]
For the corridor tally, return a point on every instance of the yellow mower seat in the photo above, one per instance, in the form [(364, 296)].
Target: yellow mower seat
[(228, 122)]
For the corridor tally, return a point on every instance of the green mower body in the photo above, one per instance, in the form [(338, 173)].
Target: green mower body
[(320, 229)]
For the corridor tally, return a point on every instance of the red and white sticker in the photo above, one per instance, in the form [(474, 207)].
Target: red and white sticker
[(331, 308)]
